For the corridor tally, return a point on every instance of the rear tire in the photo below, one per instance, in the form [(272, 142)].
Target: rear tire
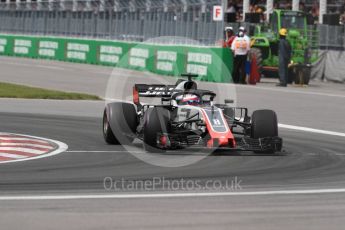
[(119, 123), (108, 132), (156, 122), (264, 124)]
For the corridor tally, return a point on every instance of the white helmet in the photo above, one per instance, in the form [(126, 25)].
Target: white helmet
[(242, 29), (229, 28)]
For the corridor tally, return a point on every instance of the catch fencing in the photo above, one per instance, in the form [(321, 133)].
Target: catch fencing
[(126, 20), (331, 37), (179, 21)]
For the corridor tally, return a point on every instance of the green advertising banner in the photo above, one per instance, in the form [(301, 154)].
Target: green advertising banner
[(51, 48), (25, 46), (83, 51), (210, 63), (169, 60), (3, 45), (141, 57), (111, 53)]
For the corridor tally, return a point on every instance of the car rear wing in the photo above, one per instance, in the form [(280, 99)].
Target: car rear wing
[(143, 90)]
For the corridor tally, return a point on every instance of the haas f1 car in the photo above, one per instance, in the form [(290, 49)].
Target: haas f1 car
[(187, 117)]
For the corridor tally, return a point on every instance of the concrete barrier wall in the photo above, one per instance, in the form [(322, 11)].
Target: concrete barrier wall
[(210, 63)]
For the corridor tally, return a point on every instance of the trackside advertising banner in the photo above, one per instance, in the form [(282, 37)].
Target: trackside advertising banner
[(51, 49), (169, 60), (3, 45), (210, 63), (25, 46), (77, 50), (111, 53), (140, 57)]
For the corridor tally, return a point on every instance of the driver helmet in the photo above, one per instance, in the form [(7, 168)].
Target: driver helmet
[(190, 99)]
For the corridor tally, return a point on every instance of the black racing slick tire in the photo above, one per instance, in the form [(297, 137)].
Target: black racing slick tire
[(119, 123), (264, 123), (156, 122), (107, 131)]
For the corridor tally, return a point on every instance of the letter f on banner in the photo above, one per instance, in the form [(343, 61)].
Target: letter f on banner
[(217, 13)]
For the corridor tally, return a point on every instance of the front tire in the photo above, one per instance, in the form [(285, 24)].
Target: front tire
[(264, 124)]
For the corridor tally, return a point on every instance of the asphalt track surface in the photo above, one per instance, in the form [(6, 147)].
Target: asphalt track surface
[(300, 188)]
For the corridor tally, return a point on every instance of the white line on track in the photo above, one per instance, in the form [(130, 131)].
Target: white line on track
[(311, 130), (169, 195), (293, 91), (36, 65)]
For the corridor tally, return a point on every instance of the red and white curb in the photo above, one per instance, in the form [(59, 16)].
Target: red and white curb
[(19, 147)]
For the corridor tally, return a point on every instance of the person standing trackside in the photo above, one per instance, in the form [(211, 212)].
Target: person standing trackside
[(285, 53), (240, 47), (229, 37)]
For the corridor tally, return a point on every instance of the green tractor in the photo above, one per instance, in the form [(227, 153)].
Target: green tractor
[(265, 43)]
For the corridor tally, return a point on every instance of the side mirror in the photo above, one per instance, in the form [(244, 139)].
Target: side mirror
[(228, 101)]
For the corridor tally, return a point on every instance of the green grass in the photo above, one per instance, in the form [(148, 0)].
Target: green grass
[(8, 90)]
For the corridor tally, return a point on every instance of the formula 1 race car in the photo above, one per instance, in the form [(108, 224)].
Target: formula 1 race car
[(187, 117)]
